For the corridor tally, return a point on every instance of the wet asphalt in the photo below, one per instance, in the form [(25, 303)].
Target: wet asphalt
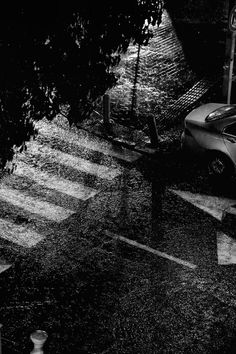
[(96, 294)]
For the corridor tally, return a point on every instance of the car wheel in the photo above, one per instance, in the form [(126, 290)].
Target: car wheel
[(219, 166)]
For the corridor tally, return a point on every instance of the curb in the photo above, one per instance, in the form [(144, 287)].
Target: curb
[(131, 145)]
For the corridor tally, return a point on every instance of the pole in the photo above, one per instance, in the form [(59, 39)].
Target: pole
[(134, 90), (153, 132), (229, 44), (231, 66)]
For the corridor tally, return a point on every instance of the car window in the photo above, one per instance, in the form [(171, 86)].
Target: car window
[(230, 129)]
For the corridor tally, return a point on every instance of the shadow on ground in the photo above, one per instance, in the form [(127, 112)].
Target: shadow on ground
[(200, 27)]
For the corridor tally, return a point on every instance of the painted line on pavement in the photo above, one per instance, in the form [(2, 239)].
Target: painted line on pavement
[(18, 234), (34, 205), (49, 130), (226, 249), (151, 250), (215, 206), (61, 185), (77, 163), (4, 267)]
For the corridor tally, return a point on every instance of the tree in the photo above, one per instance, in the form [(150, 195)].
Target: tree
[(62, 56)]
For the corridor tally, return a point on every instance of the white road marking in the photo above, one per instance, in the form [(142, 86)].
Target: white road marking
[(4, 267), (73, 189), (50, 129), (34, 205), (226, 249), (215, 206), (151, 250), (74, 162), (19, 234)]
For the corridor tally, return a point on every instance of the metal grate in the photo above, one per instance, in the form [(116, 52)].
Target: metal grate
[(189, 100)]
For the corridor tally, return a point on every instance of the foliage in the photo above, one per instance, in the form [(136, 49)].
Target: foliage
[(62, 56)]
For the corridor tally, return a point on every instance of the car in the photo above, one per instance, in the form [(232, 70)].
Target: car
[(211, 130)]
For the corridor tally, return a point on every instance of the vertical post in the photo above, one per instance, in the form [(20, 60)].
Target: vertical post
[(153, 131), (0, 339), (134, 90), (38, 338), (231, 66), (106, 109), (229, 49), (226, 67)]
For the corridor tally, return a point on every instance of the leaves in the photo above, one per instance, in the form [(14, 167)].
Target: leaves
[(62, 56)]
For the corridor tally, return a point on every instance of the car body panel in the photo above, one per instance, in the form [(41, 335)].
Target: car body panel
[(230, 143), (200, 136), (198, 115)]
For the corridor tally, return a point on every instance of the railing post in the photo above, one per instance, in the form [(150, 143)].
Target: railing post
[(154, 137), (106, 109), (38, 338)]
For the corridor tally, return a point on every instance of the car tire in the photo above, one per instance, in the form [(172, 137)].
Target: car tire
[(219, 165)]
